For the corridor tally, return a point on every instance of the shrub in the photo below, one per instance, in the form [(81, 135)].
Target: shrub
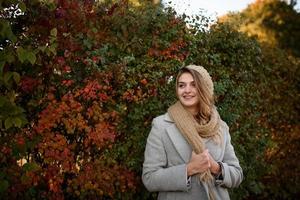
[(92, 77)]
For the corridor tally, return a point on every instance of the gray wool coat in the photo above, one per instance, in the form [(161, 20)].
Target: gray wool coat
[(166, 155)]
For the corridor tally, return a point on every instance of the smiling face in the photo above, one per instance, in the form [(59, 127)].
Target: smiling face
[(187, 92)]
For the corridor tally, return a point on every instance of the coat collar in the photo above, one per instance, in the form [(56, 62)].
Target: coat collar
[(168, 118)]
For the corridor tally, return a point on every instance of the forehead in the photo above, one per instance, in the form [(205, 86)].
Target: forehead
[(186, 77)]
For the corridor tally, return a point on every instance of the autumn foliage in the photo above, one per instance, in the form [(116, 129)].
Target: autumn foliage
[(70, 104), (81, 81)]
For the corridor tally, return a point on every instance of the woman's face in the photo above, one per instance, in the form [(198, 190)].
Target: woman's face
[(187, 92)]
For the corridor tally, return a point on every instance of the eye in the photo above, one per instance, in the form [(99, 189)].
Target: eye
[(193, 84), (181, 85)]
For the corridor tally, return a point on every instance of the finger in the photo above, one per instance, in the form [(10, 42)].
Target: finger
[(207, 157), (206, 152), (208, 161)]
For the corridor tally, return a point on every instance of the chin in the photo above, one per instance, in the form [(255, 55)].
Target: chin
[(189, 104)]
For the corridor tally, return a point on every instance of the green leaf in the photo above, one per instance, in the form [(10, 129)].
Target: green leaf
[(87, 43), (42, 48), (52, 48), (30, 166), (94, 30), (8, 123), (66, 34), (16, 110), (7, 55), (17, 122), (6, 78), (5, 31), (22, 6), (51, 6), (31, 57), (22, 54), (53, 32), (16, 77)]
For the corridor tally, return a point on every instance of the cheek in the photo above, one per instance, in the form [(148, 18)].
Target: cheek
[(195, 91), (178, 91)]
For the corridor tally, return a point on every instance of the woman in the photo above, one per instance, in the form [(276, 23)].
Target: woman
[(188, 153)]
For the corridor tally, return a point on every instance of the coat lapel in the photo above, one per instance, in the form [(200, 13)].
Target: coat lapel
[(179, 142)]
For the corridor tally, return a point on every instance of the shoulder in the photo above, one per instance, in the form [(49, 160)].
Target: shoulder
[(158, 129), (162, 120), (224, 126), (225, 131)]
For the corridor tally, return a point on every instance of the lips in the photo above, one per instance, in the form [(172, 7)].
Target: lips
[(188, 97)]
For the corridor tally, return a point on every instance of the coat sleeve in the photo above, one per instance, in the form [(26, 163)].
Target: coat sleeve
[(232, 172), (157, 175)]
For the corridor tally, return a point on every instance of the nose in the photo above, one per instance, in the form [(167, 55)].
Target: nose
[(187, 89)]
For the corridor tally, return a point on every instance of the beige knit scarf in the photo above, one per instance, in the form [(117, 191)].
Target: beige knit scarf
[(193, 132)]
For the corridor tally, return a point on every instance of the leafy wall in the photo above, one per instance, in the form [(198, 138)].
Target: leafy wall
[(81, 81)]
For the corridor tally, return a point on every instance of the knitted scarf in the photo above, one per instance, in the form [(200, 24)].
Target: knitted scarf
[(193, 132)]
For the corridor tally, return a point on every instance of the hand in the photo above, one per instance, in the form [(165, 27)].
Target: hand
[(214, 166), (199, 163)]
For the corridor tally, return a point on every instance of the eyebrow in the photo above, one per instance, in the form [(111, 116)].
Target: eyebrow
[(186, 82)]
